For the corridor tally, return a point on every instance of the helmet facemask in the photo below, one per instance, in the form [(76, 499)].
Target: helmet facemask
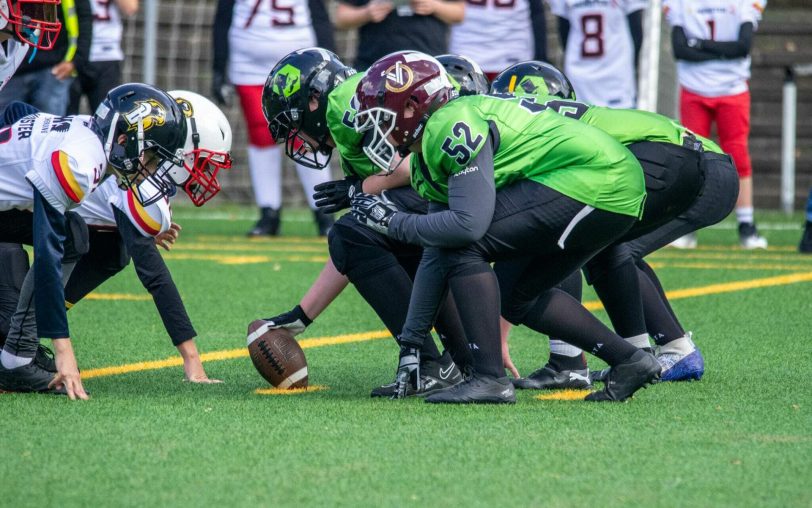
[(378, 124), (198, 174), (33, 22)]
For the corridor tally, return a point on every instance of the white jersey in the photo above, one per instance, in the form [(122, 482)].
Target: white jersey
[(97, 209), (58, 155), (12, 54), (261, 33), (599, 60), (717, 20), (494, 34), (105, 45)]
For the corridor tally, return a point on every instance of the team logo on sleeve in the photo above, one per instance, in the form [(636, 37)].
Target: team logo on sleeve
[(148, 112), (185, 106), (288, 81), (398, 77)]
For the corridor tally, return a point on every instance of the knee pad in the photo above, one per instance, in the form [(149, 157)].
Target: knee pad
[(356, 250), (77, 238)]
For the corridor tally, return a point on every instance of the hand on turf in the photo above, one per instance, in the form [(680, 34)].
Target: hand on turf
[(294, 320), (335, 195), (168, 238), (408, 371), (373, 211), (67, 371), (507, 362)]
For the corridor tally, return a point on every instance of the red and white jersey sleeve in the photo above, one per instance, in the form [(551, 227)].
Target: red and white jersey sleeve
[(495, 33), (58, 155), (105, 45), (150, 220), (718, 20), (264, 31), (11, 56), (599, 60)]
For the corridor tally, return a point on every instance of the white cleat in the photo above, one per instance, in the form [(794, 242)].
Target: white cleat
[(685, 242)]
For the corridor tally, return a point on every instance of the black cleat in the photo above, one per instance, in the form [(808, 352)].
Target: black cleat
[(324, 221), (547, 378), (44, 359), (599, 376), (805, 246), (28, 378), (268, 223), (477, 389), (627, 377), (435, 376)]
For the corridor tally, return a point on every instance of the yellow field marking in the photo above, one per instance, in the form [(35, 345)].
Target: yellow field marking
[(290, 391), (234, 247), (735, 248), (564, 395), (726, 287), (746, 256), (725, 266), (243, 260), (229, 354), (267, 240), (118, 296)]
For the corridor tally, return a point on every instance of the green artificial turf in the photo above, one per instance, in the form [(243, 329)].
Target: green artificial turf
[(740, 437)]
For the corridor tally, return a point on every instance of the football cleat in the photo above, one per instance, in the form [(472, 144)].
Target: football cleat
[(434, 376), (749, 237), (547, 378), (680, 360), (599, 376), (688, 241), (805, 247), (44, 359), (627, 377), (267, 225), (477, 389), (28, 378)]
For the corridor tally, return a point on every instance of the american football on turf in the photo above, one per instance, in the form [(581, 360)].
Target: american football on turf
[(277, 355)]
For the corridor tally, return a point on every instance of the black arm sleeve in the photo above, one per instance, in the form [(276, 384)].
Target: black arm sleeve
[(49, 294), (538, 25), (85, 16), (636, 31), (739, 48), (563, 32), (471, 201), (222, 23), (155, 276), (322, 25), (679, 42)]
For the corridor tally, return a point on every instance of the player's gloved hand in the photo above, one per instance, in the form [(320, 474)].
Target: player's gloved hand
[(408, 371), (335, 195), (294, 320), (373, 211), (221, 91)]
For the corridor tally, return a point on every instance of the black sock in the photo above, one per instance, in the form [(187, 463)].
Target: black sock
[(477, 298), (388, 291), (563, 362), (559, 314), (661, 322), (452, 333), (619, 291)]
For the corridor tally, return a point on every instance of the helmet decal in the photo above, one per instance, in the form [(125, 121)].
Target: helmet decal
[(534, 85), (287, 81), (148, 113), (185, 107), (399, 77)]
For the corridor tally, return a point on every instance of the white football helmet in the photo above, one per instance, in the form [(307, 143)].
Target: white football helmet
[(207, 149)]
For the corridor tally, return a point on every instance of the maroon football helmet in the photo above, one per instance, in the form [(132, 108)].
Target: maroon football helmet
[(406, 80)]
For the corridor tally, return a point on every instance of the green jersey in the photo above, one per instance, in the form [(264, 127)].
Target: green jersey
[(532, 142), (341, 109), (628, 125)]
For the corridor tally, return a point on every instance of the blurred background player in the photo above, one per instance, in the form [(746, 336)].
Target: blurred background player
[(250, 37), (712, 41), (23, 25), (103, 72), (501, 33), (805, 246), (386, 26), (44, 81), (601, 41)]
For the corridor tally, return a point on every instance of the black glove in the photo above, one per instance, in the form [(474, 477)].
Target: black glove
[(334, 196), (408, 372), (294, 320), (373, 211), (221, 90)]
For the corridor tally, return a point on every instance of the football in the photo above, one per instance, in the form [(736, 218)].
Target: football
[(277, 355)]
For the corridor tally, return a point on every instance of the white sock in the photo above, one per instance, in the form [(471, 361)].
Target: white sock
[(639, 341), (744, 214), (682, 346), (559, 347), (11, 361), (310, 178), (265, 164)]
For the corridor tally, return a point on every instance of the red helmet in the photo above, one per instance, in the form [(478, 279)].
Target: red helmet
[(406, 80), (33, 22)]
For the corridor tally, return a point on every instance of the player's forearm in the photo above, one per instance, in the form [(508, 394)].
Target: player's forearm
[(563, 32), (222, 22), (449, 12), (682, 51), (376, 184), (49, 292), (739, 48), (538, 24), (348, 17), (329, 284), (321, 24), (635, 20), (127, 7)]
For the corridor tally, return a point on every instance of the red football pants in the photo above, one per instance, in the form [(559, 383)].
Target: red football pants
[(251, 102)]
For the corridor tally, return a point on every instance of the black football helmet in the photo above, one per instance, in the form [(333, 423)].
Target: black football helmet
[(143, 132), (466, 73), (303, 76), (534, 79)]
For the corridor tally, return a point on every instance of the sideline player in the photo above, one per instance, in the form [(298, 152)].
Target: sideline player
[(250, 37), (51, 164), (712, 41), (23, 24), (601, 41), (506, 181)]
